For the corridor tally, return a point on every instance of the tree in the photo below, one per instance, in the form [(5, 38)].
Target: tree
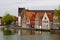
[(7, 19), (57, 13)]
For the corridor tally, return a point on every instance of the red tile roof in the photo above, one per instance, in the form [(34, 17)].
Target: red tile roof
[(50, 17), (31, 15), (41, 14)]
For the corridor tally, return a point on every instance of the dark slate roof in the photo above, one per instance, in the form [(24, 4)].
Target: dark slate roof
[(20, 10), (41, 10), (0, 17)]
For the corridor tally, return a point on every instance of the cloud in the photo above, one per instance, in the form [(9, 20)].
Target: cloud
[(11, 6), (38, 3)]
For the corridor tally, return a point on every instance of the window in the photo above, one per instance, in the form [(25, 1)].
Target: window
[(47, 25), (45, 18), (45, 21)]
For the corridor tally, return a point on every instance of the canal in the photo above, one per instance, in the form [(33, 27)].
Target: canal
[(37, 36)]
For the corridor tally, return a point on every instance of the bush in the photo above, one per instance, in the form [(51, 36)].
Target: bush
[(7, 31)]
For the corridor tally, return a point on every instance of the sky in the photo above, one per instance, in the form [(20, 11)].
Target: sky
[(11, 6)]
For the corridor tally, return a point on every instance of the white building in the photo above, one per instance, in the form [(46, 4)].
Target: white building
[(37, 23), (45, 22), (27, 22), (43, 19)]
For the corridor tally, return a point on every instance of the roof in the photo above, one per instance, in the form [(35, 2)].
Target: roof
[(20, 10), (0, 17), (40, 10), (31, 14), (50, 16)]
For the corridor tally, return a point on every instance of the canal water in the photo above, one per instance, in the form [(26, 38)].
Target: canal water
[(41, 36)]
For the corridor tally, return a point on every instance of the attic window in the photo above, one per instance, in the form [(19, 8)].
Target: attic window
[(45, 18)]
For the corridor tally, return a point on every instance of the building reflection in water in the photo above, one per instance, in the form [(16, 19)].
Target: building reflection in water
[(30, 32)]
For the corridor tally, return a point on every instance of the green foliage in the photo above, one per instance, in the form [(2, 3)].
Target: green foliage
[(57, 13), (7, 19), (7, 31)]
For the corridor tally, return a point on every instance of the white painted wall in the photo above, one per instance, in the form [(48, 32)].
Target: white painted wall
[(24, 21), (19, 21), (24, 25), (37, 22), (45, 22), (28, 22)]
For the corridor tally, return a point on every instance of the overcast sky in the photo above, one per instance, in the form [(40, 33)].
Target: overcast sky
[(11, 6)]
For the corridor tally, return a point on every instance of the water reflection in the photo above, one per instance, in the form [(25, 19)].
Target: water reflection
[(30, 32), (11, 37), (31, 35)]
